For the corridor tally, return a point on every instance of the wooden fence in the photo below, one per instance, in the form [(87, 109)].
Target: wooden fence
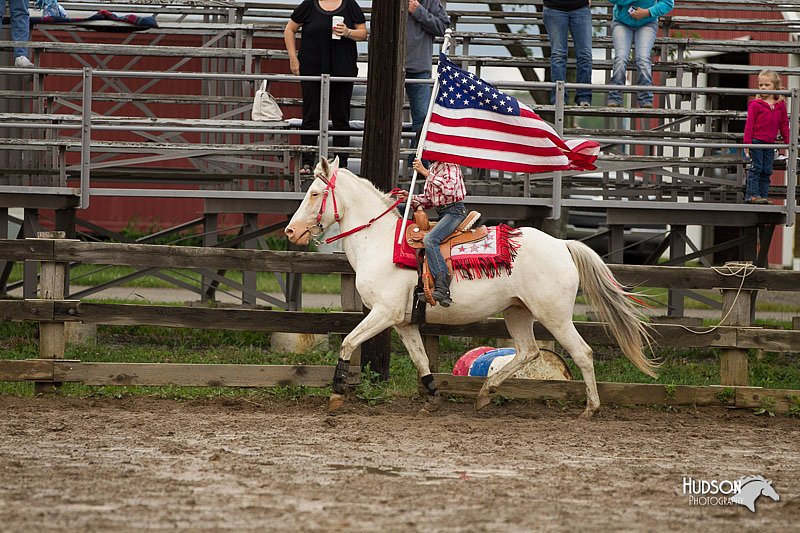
[(52, 312)]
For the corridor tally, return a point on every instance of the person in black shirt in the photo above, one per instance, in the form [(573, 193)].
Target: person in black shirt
[(325, 49)]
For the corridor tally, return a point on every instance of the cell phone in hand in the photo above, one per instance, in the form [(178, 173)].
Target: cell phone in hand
[(632, 9)]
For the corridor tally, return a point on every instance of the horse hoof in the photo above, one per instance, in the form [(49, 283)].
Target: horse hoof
[(335, 403), (432, 403), (481, 402)]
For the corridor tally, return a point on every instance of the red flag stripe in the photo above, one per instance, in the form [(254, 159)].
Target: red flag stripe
[(507, 166), (491, 156), (491, 135), (513, 126), (488, 144)]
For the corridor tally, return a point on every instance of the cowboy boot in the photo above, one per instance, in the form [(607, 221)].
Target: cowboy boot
[(441, 293)]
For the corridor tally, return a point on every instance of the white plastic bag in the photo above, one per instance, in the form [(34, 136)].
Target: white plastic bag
[(265, 107)]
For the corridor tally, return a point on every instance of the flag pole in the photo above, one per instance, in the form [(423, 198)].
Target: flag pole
[(422, 134)]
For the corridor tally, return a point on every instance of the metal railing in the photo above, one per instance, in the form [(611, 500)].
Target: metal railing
[(88, 123)]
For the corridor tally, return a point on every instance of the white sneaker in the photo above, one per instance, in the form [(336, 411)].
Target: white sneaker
[(23, 62)]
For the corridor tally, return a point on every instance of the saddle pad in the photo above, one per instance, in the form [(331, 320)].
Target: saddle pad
[(404, 255), (487, 257)]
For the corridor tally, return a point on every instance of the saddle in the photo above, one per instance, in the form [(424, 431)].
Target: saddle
[(464, 233)]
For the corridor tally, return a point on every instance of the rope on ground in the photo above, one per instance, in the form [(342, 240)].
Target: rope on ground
[(731, 268)]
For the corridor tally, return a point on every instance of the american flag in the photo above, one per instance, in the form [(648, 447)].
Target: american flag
[(476, 125)]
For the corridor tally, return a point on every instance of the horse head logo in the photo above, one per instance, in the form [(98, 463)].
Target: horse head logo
[(751, 488)]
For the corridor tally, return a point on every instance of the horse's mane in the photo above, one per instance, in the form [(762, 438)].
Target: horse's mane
[(369, 187)]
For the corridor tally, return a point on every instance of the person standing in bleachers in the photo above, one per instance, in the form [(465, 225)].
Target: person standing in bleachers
[(635, 23), (20, 29), (563, 17), (325, 48), (766, 117), (427, 19)]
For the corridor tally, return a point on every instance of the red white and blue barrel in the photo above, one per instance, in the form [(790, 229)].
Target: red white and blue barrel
[(483, 362), (461, 368)]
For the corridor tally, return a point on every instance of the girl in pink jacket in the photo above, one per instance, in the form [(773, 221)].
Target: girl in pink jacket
[(766, 117)]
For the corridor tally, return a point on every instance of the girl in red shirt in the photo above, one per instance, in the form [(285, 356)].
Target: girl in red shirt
[(766, 117)]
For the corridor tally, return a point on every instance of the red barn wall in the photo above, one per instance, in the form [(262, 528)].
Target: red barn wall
[(145, 214)]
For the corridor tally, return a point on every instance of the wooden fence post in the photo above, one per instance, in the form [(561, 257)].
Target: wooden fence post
[(677, 249), (733, 361), (382, 126), (52, 340)]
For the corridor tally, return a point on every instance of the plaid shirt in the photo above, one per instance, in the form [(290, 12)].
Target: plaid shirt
[(443, 186)]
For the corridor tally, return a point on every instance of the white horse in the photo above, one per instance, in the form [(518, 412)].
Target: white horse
[(542, 286)]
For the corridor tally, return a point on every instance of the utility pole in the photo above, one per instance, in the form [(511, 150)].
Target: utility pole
[(382, 128)]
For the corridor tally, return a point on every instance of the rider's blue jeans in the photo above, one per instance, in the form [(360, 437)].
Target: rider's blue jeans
[(450, 216)]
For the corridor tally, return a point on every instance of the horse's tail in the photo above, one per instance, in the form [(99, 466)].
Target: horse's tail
[(613, 305)]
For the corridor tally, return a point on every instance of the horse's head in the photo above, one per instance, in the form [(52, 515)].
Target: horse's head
[(318, 209)]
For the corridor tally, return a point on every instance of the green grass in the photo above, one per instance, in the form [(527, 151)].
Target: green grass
[(140, 344), (92, 275)]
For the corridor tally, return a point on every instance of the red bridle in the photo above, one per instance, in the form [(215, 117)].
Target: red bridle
[(330, 186)]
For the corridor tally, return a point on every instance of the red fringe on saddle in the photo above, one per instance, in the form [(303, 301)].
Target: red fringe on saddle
[(486, 258)]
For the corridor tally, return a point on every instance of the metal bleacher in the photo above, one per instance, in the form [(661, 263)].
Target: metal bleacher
[(106, 111)]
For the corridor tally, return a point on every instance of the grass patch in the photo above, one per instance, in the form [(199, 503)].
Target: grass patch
[(143, 344), (93, 275), (695, 367)]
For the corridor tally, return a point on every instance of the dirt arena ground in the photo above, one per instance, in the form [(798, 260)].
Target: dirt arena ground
[(118, 465)]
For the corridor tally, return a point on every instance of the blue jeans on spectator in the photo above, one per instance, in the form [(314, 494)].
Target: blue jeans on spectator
[(450, 216), (20, 23), (559, 24), (761, 160), (419, 97), (642, 39)]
